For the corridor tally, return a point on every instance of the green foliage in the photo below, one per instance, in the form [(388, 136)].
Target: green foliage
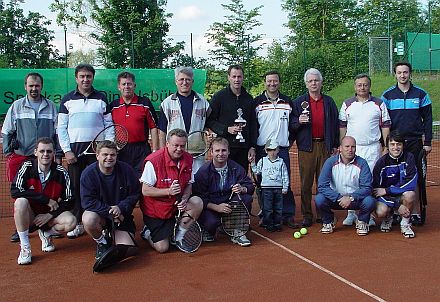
[(77, 57), (234, 39), (25, 41), (131, 33)]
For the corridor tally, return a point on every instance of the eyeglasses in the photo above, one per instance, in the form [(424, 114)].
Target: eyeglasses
[(184, 80)]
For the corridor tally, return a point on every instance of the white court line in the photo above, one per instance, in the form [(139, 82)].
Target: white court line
[(364, 291)]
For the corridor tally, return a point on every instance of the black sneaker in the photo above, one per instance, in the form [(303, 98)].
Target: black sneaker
[(100, 249), (278, 227), (307, 222), (396, 219), (270, 228), (15, 237), (416, 219)]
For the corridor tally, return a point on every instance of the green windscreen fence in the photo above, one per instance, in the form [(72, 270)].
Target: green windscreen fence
[(418, 51), (156, 84)]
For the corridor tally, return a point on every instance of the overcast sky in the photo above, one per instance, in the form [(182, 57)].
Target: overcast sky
[(190, 16)]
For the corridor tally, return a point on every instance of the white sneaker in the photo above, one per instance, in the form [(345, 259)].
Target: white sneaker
[(362, 228), (46, 242), (350, 219), (241, 241), (25, 256), (372, 222), (76, 232), (387, 224), (407, 231), (327, 228)]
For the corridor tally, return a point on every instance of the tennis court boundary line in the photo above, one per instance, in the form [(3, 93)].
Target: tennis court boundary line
[(321, 268)]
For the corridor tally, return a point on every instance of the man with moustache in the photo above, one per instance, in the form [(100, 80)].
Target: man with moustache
[(365, 118), (83, 113)]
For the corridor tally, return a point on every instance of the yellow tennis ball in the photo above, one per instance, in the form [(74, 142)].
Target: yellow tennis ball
[(297, 235), (303, 231)]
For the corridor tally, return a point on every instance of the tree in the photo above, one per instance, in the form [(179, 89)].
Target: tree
[(77, 57), (234, 42), (25, 41), (129, 32)]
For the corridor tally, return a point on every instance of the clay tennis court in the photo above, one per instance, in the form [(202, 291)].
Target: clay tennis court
[(336, 267)]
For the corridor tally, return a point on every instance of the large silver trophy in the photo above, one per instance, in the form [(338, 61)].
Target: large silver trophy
[(241, 122), (305, 107)]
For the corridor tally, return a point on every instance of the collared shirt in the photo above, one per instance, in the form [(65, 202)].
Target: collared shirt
[(223, 172), (43, 177), (364, 120), (317, 117)]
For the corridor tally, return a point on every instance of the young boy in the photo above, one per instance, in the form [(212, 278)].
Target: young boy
[(394, 185), (274, 183)]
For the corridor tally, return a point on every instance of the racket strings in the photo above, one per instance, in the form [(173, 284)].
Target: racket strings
[(120, 137), (237, 222), (188, 235)]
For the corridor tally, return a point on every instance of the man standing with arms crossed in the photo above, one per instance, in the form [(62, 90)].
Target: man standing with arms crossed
[(365, 118), (27, 119), (315, 122), (83, 113), (227, 105), (274, 111), (186, 109), (410, 110)]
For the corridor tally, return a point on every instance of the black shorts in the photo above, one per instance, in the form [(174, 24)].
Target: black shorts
[(160, 228), (127, 225)]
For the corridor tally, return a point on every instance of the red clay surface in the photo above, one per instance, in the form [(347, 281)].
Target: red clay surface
[(388, 266)]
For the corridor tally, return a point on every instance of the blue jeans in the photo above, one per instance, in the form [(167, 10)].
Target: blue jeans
[(288, 199), (365, 207), (272, 206)]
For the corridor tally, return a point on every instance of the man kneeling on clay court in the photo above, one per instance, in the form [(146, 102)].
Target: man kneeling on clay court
[(43, 199), (214, 182), (345, 184), (167, 186), (394, 185), (109, 191)]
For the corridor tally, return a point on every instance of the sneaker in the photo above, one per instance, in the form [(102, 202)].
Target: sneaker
[(145, 233), (100, 249), (206, 237), (362, 228), (291, 224), (15, 237), (76, 232), (46, 242), (241, 241), (416, 219), (407, 231), (372, 221), (270, 228), (387, 224), (278, 227), (350, 219), (25, 256), (327, 228), (396, 219)]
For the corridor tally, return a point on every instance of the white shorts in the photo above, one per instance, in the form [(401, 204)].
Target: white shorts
[(371, 153)]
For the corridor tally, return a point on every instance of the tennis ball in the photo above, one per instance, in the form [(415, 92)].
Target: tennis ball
[(303, 231), (297, 235)]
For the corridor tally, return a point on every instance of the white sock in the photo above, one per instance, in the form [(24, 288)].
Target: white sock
[(405, 220), (24, 238), (101, 239), (51, 232)]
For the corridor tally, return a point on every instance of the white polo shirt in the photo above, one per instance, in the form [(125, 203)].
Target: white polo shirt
[(364, 120)]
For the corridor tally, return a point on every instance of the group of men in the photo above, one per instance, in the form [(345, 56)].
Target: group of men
[(101, 190)]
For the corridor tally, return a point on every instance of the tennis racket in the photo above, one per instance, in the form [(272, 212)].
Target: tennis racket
[(422, 170), (236, 223), (115, 133), (187, 232), (198, 143)]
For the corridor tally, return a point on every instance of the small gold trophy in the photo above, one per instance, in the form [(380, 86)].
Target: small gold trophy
[(305, 107), (241, 122)]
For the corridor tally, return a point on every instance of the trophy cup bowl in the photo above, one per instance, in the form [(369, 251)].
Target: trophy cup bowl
[(241, 122), (305, 107)]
